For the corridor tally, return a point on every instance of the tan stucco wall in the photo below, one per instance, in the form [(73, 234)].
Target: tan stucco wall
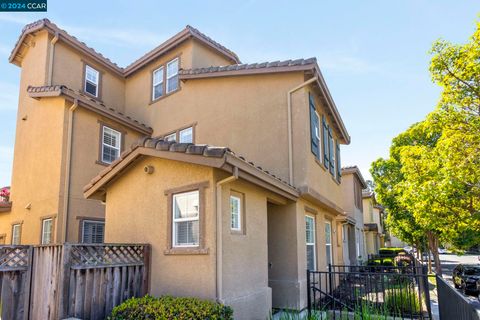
[(38, 142), (131, 218), (68, 69), (245, 256), (85, 165)]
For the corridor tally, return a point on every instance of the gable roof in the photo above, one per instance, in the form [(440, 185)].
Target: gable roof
[(356, 171), (216, 157), (90, 104), (187, 33)]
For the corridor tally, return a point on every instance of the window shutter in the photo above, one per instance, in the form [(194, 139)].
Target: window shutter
[(326, 157), (314, 125), (339, 163), (331, 151)]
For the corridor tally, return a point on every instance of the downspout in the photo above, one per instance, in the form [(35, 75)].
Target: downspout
[(289, 125), (68, 165), (50, 61), (219, 255)]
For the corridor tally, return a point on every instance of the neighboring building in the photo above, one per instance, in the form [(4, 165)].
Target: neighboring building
[(394, 242), (220, 227), (353, 252), (373, 223)]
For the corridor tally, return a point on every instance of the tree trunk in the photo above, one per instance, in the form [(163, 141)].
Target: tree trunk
[(438, 264)]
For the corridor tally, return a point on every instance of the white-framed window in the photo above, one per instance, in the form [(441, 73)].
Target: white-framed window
[(157, 83), (171, 137), (172, 75), (92, 78), (328, 242), (111, 141), (93, 231), (47, 228), (16, 231), (310, 242), (186, 135), (185, 229), (317, 126), (236, 213)]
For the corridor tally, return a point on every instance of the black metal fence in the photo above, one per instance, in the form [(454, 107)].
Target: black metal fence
[(453, 305), (360, 292)]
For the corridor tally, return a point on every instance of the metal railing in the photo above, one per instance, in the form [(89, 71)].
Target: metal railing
[(453, 305), (345, 292)]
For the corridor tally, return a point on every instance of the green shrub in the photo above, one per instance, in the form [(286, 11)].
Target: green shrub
[(401, 301), (169, 308)]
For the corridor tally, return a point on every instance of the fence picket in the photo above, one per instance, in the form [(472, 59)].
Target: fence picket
[(61, 281)]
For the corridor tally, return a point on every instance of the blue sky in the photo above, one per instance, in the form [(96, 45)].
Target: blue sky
[(373, 54)]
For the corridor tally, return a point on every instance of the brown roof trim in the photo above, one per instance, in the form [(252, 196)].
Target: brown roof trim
[(216, 157), (188, 32), (67, 38), (331, 105), (347, 219), (312, 195), (356, 171), (370, 227), (90, 104), (248, 69)]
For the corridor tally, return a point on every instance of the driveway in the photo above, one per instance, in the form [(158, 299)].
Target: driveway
[(450, 261)]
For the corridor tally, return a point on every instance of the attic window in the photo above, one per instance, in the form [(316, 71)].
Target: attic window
[(92, 77)]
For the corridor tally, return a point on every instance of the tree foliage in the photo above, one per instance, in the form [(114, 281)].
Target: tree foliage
[(430, 185)]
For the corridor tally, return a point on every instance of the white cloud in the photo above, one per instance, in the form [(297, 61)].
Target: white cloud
[(8, 96)]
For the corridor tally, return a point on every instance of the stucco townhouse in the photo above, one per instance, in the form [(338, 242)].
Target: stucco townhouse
[(230, 171), (352, 226), (373, 223)]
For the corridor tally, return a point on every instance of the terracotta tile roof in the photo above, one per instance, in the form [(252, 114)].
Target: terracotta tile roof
[(253, 66), (45, 23), (168, 44), (92, 104), (186, 148), (355, 170), (175, 40)]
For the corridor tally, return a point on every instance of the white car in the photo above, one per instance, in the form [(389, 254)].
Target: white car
[(442, 250)]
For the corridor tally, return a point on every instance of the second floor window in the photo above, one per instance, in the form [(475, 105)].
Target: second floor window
[(186, 219), (111, 141), (47, 228), (92, 78), (172, 75), (157, 84), (16, 231)]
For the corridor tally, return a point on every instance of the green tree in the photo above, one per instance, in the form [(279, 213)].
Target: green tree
[(430, 185)]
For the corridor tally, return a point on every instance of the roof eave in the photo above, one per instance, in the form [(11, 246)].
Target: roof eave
[(331, 105), (84, 102), (246, 72)]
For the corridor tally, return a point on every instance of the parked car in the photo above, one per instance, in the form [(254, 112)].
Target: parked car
[(467, 278), (442, 250)]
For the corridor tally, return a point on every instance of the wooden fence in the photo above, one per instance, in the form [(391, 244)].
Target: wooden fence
[(70, 280)]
